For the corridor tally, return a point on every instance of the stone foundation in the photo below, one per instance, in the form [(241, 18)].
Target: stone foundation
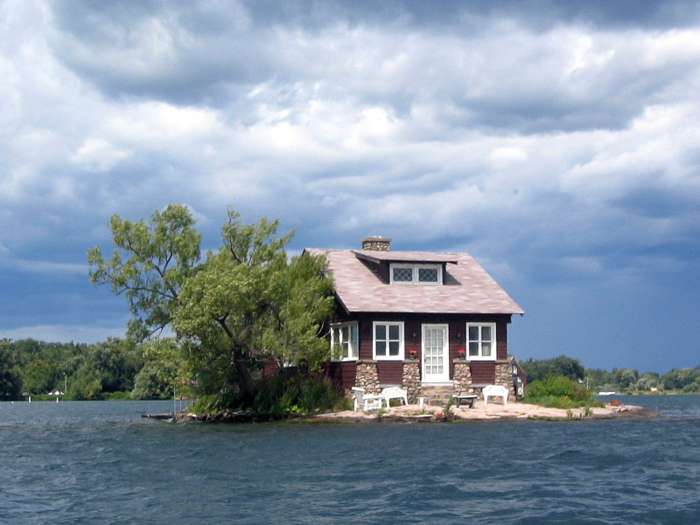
[(504, 377), (411, 380), (462, 378), (367, 377)]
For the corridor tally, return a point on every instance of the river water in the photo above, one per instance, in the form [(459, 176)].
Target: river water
[(100, 462)]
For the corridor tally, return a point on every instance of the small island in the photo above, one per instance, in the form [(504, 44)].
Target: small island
[(491, 411)]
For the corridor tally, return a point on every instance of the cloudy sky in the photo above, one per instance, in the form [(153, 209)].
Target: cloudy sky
[(558, 142)]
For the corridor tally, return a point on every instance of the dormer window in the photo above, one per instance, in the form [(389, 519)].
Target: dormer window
[(402, 273)]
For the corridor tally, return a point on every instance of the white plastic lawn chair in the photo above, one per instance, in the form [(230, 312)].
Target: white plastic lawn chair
[(394, 392), (495, 391), (366, 401)]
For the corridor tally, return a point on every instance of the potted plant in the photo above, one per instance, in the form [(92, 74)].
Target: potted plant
[(412, 354), (461, 354)]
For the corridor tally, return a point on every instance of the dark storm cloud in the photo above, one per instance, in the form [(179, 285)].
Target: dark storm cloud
[(556, 141), (401, 55)]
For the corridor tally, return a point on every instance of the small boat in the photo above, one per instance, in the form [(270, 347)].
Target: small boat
[(608, 393)]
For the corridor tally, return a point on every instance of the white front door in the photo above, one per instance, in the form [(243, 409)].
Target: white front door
[(436, 367)]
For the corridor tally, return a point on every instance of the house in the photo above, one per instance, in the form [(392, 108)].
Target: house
[(419, 320)]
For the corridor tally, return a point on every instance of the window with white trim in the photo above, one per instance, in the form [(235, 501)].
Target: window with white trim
[(402, 273), (481, 341), (388, 341), (344, 342)]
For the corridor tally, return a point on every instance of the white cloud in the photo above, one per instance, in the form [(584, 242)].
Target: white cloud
[(98, 155), (561, 147)]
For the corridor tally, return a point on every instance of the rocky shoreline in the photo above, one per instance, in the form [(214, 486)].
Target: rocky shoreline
[(480, 412), (492, 411)]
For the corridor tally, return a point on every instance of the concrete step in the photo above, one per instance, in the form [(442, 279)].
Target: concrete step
[(437, 395)]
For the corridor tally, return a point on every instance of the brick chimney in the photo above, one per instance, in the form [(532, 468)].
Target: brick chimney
[(377, 243)]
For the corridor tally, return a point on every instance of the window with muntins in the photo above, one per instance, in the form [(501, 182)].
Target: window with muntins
[(481, 341), (402, 273), (388, 341), (344, 342)]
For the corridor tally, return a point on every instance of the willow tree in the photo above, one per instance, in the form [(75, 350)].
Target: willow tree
[(231, 310)]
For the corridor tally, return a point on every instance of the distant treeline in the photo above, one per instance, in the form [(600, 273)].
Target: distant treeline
[(620, 379), (111, 369), (117, 368)]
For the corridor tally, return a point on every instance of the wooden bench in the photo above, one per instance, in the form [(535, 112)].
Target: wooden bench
[(394, 392), (470, 398)]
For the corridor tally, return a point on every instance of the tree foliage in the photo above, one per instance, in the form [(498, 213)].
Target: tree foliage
[(164, 370), (10, 372), (241, 305), (149, 266), (39, 376), (541, 369)]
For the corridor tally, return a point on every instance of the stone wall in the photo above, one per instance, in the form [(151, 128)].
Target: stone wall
[(504, 377), (411, 380), (462, 378), (367, 377)]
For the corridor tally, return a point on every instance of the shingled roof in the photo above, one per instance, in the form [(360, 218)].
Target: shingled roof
[(466, 288)]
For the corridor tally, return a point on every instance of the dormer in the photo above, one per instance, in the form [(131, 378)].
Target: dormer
[(403, 268), (415, 273)]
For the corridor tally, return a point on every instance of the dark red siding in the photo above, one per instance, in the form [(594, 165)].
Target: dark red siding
[(341, 373), (483, 372), (502, 341), (390, 372)]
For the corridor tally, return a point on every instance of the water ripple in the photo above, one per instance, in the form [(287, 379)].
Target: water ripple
[(100, 463)]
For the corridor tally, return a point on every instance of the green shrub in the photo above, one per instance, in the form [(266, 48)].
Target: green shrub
[(559, 392), (297, 394), (116, 396)]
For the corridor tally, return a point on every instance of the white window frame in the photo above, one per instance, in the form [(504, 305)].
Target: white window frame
[(469, 341), (353, 348), (400, 356), (415, 269)]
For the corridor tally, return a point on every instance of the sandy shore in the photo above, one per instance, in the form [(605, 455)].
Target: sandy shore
[(491, 411)]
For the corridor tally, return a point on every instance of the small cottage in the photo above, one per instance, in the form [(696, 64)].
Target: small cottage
[(435, 324)]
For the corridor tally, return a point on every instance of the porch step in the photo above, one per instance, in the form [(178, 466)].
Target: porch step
[(437, 395)]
